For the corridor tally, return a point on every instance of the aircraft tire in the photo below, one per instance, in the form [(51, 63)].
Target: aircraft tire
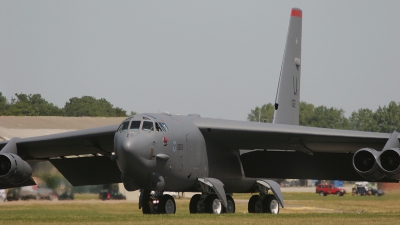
[(271, 205), (230, 205), (213, 204), (167, 205), (193, 203), (146, 205), (251, 207)]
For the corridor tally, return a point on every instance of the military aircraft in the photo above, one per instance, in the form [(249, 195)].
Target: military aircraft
[(157, 152)]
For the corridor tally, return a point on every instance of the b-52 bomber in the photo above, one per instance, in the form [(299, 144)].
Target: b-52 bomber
[(159, 152)]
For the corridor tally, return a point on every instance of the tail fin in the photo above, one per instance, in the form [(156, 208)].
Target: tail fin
[(287, 102)]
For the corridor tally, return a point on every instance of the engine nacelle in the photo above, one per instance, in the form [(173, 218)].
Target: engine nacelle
[(13, 170), (365, 162), (389, 160)]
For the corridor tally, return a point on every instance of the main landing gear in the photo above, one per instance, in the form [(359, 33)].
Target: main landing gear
[(213, 198), (266, 203), (263, 204), (210, 203), (156, 203)]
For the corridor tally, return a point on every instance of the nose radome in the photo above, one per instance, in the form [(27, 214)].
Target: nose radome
[(137, 145)]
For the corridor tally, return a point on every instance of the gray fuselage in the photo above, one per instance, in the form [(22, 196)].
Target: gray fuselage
[(165, 152)]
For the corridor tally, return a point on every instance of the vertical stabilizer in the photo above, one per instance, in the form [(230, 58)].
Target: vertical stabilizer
[(287, 102)]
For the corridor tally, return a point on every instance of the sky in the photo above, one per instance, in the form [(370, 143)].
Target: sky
[(219, 59)]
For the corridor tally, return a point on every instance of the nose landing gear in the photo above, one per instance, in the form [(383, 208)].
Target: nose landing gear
[(156, 203)]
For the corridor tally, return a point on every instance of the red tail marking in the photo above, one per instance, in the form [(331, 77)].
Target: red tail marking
[(296, 13)]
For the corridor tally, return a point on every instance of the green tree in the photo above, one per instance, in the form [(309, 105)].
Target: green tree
[(388, 117), (310, 115), (263, 114), (329, 118), (364, 120), (33, 105), (90, 106), (306, 113), (3, 105), (119, 112)]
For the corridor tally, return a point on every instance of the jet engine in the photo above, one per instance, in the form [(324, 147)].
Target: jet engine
[(389, 160), (365, 162), (13, 170)]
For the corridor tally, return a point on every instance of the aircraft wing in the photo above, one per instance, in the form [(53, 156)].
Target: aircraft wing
[(89, 141), (96, 142), (253, 135), (321, 154)]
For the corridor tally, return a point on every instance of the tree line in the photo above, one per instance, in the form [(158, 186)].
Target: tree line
[(385, 119), (36, 105)]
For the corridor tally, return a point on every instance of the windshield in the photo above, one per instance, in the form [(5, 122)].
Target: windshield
[(147, 126), (163, 126), (124, 126), (135, 125)]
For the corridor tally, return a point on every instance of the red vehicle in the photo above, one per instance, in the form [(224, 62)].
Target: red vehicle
[(327, 189)]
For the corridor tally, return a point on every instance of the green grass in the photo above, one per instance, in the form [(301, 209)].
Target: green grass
[(302, 208), (86, 196)]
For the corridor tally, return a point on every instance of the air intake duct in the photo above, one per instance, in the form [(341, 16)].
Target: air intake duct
[(365, 162), (13, 170), (389, 160)]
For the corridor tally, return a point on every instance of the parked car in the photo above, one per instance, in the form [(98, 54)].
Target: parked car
[(377, 192), (110, 192), (327, 189), (28, 192), (68, 194), (3, 196), (45, 193), (365, 190), (13, 194)]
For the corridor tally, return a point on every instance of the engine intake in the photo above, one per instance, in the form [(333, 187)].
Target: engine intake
[(13, 170), (389, 160), (365, 162)]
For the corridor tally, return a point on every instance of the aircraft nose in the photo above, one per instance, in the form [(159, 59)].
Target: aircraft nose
[(132, 145)]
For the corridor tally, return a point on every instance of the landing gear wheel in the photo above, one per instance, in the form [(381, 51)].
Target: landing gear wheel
[(230, 205), (146, 204), (167, 205), (193, 203), (271, 205), (213, 204), (252, 204)]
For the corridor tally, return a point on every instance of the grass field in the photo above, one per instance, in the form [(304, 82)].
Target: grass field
[(301, 208)]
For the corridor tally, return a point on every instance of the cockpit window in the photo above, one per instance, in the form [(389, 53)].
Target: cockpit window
[(164, 126), (147, 126), (135, 125), (158, 127), (124, 126)]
